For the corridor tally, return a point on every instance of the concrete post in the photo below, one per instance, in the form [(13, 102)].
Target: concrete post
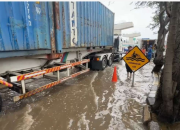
[(23, 86), (68, 71), (58, 75)]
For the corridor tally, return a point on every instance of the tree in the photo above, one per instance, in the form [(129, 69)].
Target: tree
[(161, 20), (167, 103), (167, 100)]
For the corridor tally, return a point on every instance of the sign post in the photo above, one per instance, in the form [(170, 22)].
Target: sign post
[(133, 79), (135, 59)]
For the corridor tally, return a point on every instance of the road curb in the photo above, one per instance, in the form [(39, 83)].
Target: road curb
[(147, 116), (154, 87)]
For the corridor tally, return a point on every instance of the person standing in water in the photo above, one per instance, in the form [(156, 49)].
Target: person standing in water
[(149, 55), (154, 50), (143, 50), (128, 69)]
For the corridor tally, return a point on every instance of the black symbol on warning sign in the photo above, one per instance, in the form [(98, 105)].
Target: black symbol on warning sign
[(135, 57)]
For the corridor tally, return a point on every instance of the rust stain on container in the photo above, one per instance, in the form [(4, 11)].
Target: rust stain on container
[(53, 48), (38, 42), (52, 33), (57, 15), (64, 30)]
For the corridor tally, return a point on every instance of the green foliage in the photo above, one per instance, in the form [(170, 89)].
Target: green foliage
[(155, 22), (158, 10), (144, 4)]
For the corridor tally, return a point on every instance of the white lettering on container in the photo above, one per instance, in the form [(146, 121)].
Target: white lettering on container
[(73, 23), (38, 10), (28, 15)]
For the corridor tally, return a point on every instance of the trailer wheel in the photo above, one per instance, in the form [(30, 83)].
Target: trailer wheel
[(104, 62), (110, 61), (119, 59), (0, 103)]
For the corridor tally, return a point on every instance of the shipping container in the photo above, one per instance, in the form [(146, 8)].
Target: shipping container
[(61, 39), (24, 28), (33, 28)]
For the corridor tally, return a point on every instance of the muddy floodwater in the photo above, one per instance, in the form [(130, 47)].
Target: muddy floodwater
[(88, 102)]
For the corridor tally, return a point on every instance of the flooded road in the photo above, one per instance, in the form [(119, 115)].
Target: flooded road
[(88, 102)]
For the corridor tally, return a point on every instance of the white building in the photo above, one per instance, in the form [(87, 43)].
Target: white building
[(126, 40)]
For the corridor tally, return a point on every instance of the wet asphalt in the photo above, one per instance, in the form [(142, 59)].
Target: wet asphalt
[(88, 102)]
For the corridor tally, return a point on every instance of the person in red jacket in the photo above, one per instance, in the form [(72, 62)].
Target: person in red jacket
[(143, 50)]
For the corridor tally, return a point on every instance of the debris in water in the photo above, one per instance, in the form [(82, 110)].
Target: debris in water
[(70, 123), (92, 88), (83, 121)]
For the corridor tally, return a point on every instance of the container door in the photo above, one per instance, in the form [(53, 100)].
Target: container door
[(24, 26)]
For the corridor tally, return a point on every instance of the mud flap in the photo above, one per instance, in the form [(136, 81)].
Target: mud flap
[(97, 65)]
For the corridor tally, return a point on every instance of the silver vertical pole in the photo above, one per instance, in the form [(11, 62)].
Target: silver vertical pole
[(68, 71), (133, 79), (58, 75), (23, 86), (87, 65)]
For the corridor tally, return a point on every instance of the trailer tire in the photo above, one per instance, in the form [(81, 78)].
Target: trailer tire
[(110, 61), (104, 62), (0, 104), (118, 60)]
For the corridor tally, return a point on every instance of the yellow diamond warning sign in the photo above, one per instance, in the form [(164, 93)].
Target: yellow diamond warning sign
[(135, 59)]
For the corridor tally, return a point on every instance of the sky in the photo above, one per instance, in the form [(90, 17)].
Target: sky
[(141, 18)]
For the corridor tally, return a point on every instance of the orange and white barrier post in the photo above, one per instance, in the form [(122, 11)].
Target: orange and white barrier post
[(38, 90), (5, 83), (45, 71)]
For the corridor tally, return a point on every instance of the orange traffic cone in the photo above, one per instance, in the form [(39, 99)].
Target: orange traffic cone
[(114, 78)]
